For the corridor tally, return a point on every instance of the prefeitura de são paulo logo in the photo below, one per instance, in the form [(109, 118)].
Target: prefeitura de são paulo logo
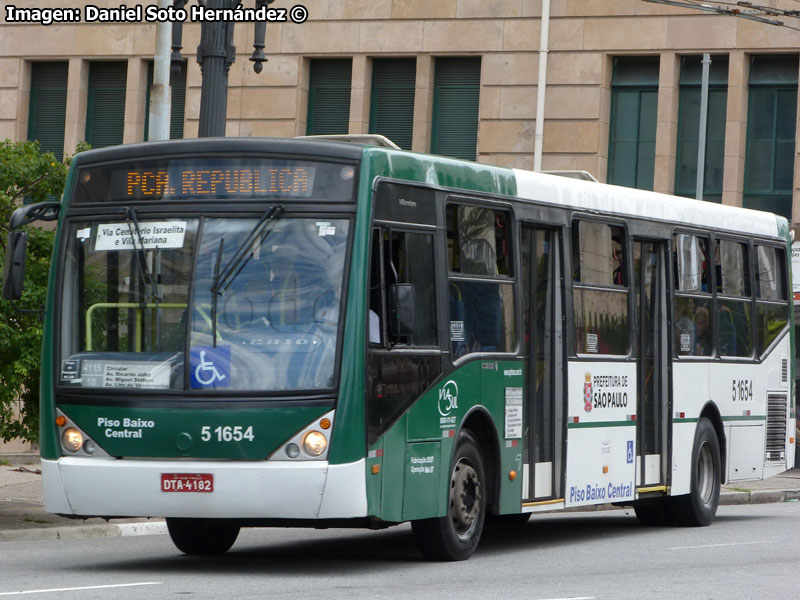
[(587, 393)]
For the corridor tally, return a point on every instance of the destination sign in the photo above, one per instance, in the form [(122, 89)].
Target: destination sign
[(206, 179), (156, 183)]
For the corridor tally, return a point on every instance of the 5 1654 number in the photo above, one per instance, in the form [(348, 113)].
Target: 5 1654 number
[(742, 390), (227, 433)]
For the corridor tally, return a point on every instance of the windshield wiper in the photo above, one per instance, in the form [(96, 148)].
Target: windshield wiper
[(224, 277), (141, 263)]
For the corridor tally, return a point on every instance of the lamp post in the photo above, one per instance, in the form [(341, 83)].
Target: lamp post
[(215, 54)]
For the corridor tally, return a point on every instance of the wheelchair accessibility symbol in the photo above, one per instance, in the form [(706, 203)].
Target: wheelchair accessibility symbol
[(210, 367)]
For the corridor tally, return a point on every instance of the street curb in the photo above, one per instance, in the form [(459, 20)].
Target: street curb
[(20, 458), (759, 497), (82, 532), (731, 498)]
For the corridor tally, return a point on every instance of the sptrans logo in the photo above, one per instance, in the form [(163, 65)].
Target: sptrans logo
[(587, 393), (448, 398)]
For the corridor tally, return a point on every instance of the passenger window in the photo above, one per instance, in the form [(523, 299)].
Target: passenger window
[(691, 269), (402, 293), (598, 254), (733, 275), (772, 306), (769, 274), (600, 292), (733, 308), (478, 241), (692, 296), (481, 312)]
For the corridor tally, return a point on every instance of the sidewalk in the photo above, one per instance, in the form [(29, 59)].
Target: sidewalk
[(23, 517)]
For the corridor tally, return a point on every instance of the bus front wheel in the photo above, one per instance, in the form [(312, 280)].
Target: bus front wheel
[(202, 536), (699, 507), (456, 535)]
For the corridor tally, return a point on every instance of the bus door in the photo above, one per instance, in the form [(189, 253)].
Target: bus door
[(543, 354), (651, 343)]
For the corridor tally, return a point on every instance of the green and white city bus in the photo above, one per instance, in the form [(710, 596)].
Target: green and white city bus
[(264, 332)]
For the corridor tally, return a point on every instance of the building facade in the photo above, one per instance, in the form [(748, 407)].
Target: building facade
[(454, 77)]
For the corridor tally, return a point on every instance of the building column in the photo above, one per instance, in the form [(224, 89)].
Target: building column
[(600, 170), (735, 129), (77, 95), (135, 96), (301, 118), (423, 104), (666, 123), (23, 102), (360, 94)]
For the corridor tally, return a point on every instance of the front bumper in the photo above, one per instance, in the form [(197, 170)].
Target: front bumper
[(242, 490)]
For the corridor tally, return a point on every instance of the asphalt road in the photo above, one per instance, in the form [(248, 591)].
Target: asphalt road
[(749, 552)]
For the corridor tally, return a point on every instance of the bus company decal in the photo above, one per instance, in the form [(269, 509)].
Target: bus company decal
[(448, 398), (612, 491), (601, 391), (606, 391), (124, 428), (448, 401)]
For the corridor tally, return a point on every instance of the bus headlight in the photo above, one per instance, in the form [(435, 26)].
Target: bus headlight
[(314, 443), (72, 439)]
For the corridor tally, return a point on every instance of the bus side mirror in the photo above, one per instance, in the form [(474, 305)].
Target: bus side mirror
[(41, 211), (402, 299), (14, 268)]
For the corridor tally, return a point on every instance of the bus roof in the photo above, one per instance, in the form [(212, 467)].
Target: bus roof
[(308, 146), (541, 187), (623, 201)]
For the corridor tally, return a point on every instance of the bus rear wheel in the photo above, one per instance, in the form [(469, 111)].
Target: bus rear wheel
[(202, 536), (699, 507), (456, 535)]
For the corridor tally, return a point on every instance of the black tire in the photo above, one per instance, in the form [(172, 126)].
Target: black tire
[(456, 535), (202, 536), (699, 507)]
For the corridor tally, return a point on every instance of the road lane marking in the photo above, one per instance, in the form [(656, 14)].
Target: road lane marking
[(76, 589), (718, 545)]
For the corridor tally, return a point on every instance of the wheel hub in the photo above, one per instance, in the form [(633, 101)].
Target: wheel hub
[(465, 496), (705, 473)]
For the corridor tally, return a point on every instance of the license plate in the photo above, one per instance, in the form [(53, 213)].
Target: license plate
[(187, 482)]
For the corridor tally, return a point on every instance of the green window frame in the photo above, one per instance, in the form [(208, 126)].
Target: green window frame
[(456, 100), (771, 128), (689, 98), (105, 106), (329, 86), (392, 99), (177, 83), (632, 132), (47, 112)]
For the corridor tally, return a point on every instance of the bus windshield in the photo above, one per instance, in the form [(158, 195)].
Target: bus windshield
[(138, 308)]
